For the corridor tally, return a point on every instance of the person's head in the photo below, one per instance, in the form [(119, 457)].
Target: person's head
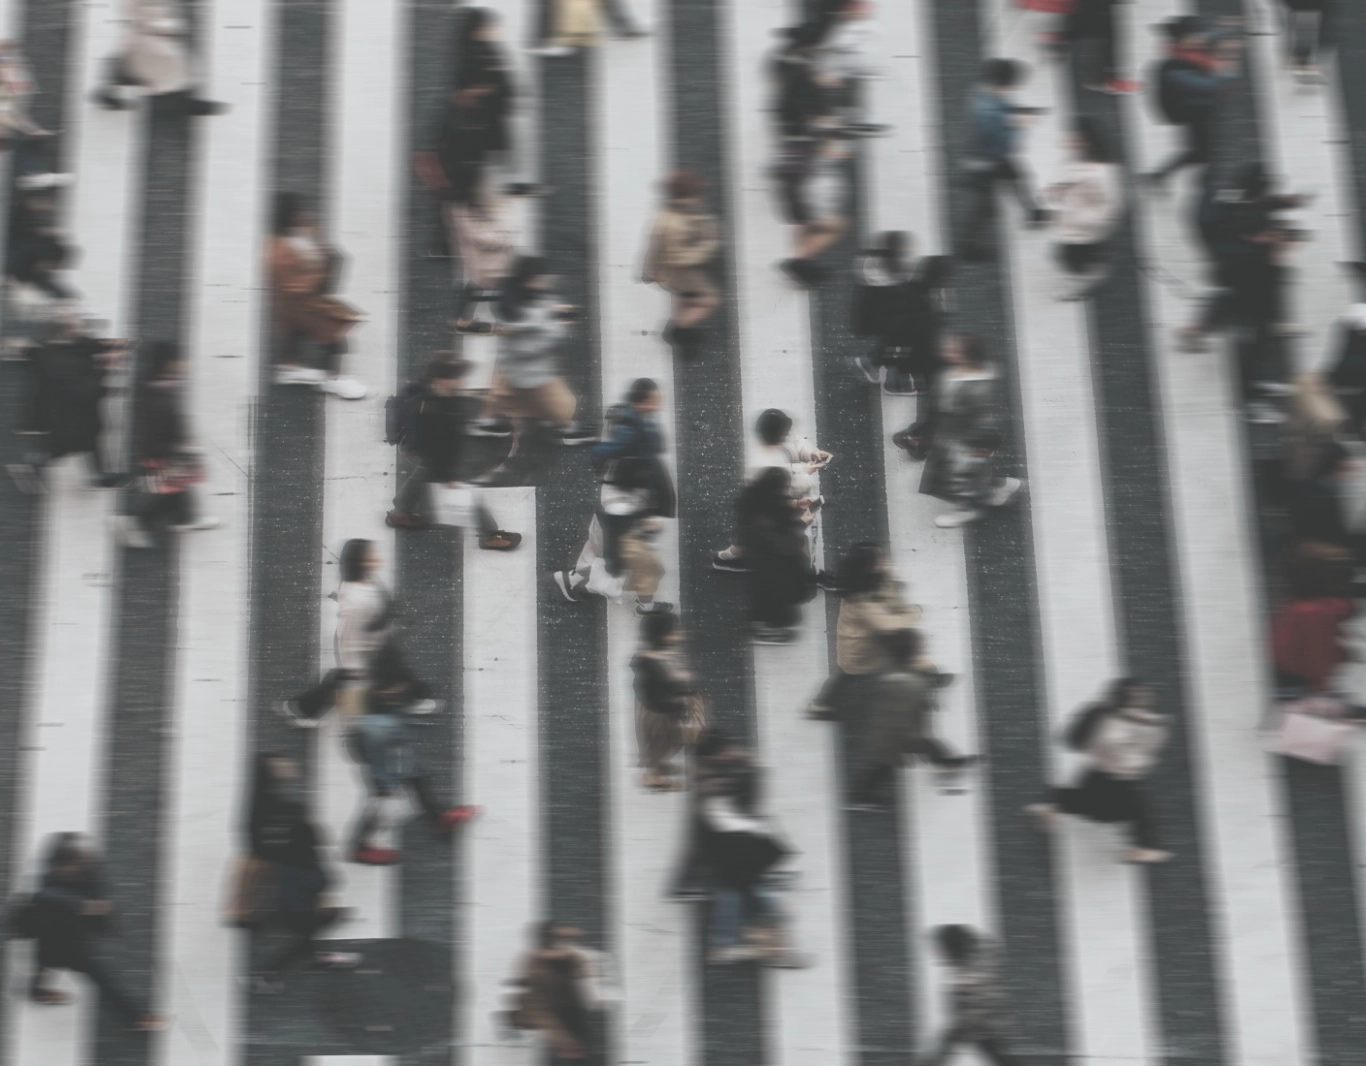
[(1088, 143), (644, 396), (893, 247), (551, 935), (164, 363), (68, 854), (1129, 692), (965, 350), (803, 38), (773, 426), (291, 214), (445, 376), (359, 559), (481, 24), (659, 629), (957, 944), (773, 490), (862, 569), (903, 646), (684, 187), (1186, 33), (1003, 75)]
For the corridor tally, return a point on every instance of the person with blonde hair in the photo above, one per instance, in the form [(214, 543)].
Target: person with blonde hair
[(684, 242)]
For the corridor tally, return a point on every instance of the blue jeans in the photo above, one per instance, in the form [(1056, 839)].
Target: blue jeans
[(728, 907)]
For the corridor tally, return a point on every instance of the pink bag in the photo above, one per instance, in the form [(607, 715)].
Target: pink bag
[(1314, 729), (1048, 7)]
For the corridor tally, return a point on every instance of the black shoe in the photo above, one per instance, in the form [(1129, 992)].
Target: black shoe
[(197, 108), (524, 188), (865, 129), (1037, 218), (491, 427), (773, 635), (827, 581), (733, 565), (106, 98), (799, 270), (575, 434), (654, 607), (899, 383)]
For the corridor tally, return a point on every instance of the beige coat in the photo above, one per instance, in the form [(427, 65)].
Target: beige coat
[(864, 620), (156, 46), (682, 244)]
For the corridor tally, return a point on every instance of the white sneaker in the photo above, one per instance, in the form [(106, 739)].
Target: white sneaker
[(552, 51), (424, 707), (344, 388), (1261, 413), (337, 960), (129, 532), (201, 523), (1008, 488), (1144, 855), (298, 375), (960, 516), (290, 712)]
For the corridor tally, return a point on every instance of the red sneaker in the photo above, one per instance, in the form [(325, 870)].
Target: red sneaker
[(368, 856), (1123, 87), (457, 816)]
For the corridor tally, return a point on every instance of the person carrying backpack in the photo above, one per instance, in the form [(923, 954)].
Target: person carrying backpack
[(1120, 736), (1187, 85), (429, 424)]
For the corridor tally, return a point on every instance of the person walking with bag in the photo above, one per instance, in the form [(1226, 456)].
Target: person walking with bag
[(273, 780), (1086, 202), (1121, 736), (684, 242), (155, 56), (670, 713)]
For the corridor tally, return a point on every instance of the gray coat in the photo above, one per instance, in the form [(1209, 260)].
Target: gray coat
[(970, 412)]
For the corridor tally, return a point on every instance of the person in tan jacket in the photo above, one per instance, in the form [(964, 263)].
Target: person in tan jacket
[(155, 56), (684, 241)]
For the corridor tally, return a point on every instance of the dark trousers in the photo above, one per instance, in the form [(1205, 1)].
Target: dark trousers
[(415, 497), (990, 1046), (297, 351), (1303, 35), (100, 977), (875, 784), (303, 930), (1079, 258), (1199, 147), (1116, 795), (983, 205), (1098, 26), (153, 509)]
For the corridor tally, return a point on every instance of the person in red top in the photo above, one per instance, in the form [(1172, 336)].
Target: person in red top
[(1306, 629)]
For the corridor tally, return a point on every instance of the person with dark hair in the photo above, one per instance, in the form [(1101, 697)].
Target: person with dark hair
[(67, 916), (1304, 34), (685, 239), (156, 57), (526, 382), (962, 463), (169, 462), (872, 605), (67, 376), (437, 442), (264, 834), (884, 308), (992, 157), (381, 743), (801, 102), (977, 1004), (1188, 83), (304, 269), (302, 883), (1096, 21), (773, 542), (481, 59), (928, 315), (1308, 645), (670, 713), (900, 723), (1121, 735), (815, 200), (560, 984), (717, 758), (1085, 203)]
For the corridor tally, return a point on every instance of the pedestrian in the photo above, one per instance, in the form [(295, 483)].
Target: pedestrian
[(963, 463), (670, 713), (900, 723), (560, 984), (1085, 205), (169, 462), (995, 124), (1120, 736), (748, 921), (716, 758), (270, 810), (930, 311), (365, 624), (884, 307), (563, 25), (1187, 86), (381, 742), (436, 440), (1096, 21), (977, 1004), (632, 430), (305, 907), (68, 375), (67, 916), (873, 605), (801, 104), (482, 60), (37, 294), (304, 270), (841, 58), (685, 239), (156, 57), (1348, 372), (527, 386), (814, 184), (1304, 31), (1308, 642), (773, 540)]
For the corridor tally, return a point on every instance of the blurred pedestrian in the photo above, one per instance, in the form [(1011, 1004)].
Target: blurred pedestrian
[(670, 713), (1187, 86), (270, 810), (1308, 643), (1095, 21), (155, 57), (560, 984), (1085, 202), (977, 1004), (814, 185), (777, 562), (684, 242)]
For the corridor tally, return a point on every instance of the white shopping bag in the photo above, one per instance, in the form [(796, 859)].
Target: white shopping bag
[(1315, 729), (453, 506)]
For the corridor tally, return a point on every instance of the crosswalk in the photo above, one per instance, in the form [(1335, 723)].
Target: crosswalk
[(1131, 551)]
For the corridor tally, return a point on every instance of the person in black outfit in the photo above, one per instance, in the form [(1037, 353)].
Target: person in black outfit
[(1094, 20), (263, 835), (67, 379), (437, 443), (801, 102), (1348, 373), (1304, 21), (1188, 85), (481, 62), (70, 911), (774, 544)]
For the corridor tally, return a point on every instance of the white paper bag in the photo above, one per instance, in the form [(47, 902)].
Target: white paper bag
[(453, 506)]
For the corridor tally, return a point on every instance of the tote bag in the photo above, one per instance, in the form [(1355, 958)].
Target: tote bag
[(453, 506), (1314, 729)]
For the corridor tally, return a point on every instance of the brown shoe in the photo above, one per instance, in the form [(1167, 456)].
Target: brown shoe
[(500, 540), (405, 520)]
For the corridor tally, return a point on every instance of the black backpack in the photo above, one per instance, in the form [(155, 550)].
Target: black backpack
[(1083, 727), (400, 414), (1169, 99)]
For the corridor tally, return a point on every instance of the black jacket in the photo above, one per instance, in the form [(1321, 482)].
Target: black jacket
[(439, 436), (160, 432), (68, 387)]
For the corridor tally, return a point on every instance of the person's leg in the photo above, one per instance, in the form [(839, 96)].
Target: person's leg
[(995, 1052), (426, 799), (727, 911), (296, 947), (110, 991), (1015, 172), (414, 495), (937, 753), (485, 523), (944, 1051), (875, 783), (1143, 829)]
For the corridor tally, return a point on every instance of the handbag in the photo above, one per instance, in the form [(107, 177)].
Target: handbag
[(1315, 729), (696, 718)]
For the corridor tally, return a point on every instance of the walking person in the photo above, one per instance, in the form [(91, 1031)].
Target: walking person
[(670, 713), (814, 187), (884, 308), (995, 125), (572, 24), (930, 313), (1304, 25), (977, 1005), (560, 985), (900, 720), (304, 270), (156, 57), (66, 917), (716, 758), (435, 437), (481, 59), (684, 242), (1121, 736), (963, 463), (774, 543), (1095, 21), (873, 606), (169, 462), (1085, 204), (274, 780)]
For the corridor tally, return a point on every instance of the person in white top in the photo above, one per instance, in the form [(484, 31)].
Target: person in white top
[(1086, 204), (815, 195), (155, 56)]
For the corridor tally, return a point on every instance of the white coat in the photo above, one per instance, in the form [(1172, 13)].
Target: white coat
[(156, 46)]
